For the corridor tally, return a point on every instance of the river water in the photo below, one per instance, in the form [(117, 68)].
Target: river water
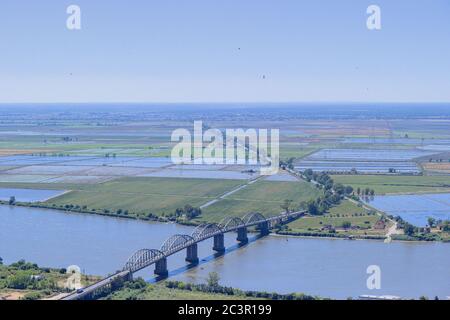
[(330, 268)]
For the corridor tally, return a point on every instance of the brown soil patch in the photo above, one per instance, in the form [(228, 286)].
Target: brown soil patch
[(442, 167), (12, 295)]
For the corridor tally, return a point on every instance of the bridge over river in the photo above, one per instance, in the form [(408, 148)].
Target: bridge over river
[(158, 257)]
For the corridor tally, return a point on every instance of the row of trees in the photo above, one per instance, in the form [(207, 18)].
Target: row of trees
[(365, 192), (328, 184), (188, 212), (289, 164), (212, 286), (333, 193)]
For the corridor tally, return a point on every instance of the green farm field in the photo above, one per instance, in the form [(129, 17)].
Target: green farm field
[(384, 184), (345, 212), (162, 196), (146, 195), (263, 196)]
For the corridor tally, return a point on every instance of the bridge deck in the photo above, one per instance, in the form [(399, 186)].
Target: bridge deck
[(160, 255), (98, 285)]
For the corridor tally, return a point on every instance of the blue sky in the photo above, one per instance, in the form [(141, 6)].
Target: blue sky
[(188, 51)]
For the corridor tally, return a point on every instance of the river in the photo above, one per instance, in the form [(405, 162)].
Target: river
[(329, 268)]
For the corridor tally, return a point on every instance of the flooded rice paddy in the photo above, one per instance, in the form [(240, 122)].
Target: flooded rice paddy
[(415, 209)]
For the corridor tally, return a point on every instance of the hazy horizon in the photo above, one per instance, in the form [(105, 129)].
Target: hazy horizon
[(224, 52)]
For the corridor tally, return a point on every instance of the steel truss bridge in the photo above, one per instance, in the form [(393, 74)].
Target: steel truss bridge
[(146, 257)]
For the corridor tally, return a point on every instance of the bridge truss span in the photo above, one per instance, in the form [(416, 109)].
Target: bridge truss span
[(145, 257), (206, 230), (231, 223), (177, 242), (253, 218), (142, 259)]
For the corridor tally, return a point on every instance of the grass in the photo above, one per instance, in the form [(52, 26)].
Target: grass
[(345, 212), (162, 196), (159, 196), (289, 150), (161, 292), (396, 184), (175, 290), (263, 196), (146, 195)]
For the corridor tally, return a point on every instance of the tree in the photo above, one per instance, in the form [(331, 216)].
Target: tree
[(286, 205), (213, 279), (409, 229), (312, 208), (348, 190), (308, 173), (19, 281), (346, 224), (446, 226), (32, 296), (339, 188), (431, 222)]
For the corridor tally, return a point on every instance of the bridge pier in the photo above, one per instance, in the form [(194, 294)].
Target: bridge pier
[(264, 228), (219, 243), (192, 253), (242, 235), (129, 277), (161, 267)]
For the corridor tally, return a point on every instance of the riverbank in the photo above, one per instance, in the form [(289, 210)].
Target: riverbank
[(280, 231), (177, 290), (27, 281), (101, 245)]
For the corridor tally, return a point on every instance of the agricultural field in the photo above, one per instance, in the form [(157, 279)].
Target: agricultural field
[(263, 196), (28, 195), (396, 184), (296, 150), (433, 167), (119, 160), (364, 160), (94, 170), (347, 212), (416, 208), (141, 196)]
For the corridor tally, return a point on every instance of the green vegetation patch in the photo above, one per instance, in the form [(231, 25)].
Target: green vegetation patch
[(135, 196), (212, 290), (345, 214), (162, 292), (265, 197), (396, 184), (24, 280)]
